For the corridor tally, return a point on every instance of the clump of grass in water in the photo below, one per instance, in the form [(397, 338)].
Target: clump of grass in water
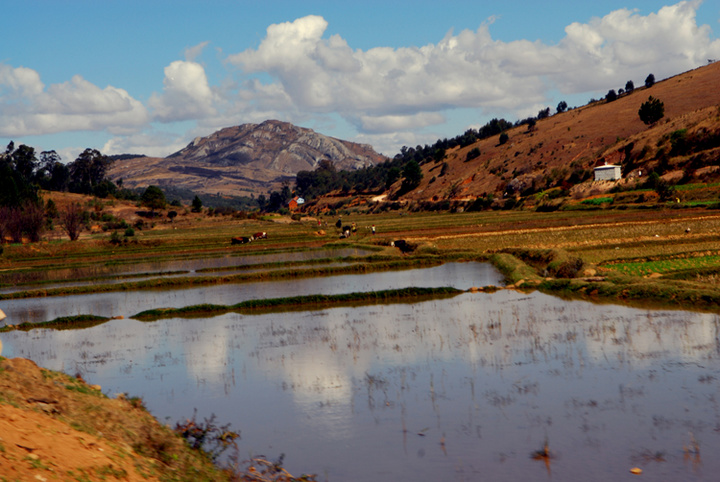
[(298, 302), (62, 323)]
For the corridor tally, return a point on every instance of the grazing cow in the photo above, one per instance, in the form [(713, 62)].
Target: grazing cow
[(402, 245), (262, 235), (241, 240)]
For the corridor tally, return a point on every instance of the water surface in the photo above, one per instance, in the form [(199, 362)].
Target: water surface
[(186, 266), (128, 303), (455, 389)]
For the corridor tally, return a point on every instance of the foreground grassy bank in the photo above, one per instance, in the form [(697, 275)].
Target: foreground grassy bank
[(79, 433)]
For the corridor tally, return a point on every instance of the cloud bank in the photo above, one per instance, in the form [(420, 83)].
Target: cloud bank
[(388, 95)]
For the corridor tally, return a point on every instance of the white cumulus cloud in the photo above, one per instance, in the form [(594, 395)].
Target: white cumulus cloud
[(186, 93), (386, 89), (153, 144), (389, 96), (27, 107)]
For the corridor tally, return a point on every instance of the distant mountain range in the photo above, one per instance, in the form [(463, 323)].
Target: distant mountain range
[(243, 160)]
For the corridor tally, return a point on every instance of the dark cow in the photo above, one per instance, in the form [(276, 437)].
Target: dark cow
[(262, 235), (403, 245), (241, 240)]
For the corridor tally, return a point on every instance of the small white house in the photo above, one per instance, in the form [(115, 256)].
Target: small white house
[(608, 172)]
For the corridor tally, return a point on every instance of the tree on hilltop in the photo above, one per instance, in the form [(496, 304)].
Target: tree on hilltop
[(650, 81), (544, 113)]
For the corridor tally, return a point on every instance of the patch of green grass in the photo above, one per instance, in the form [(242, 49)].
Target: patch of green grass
[(85, 389), (111, 471), (597, 201), (36, 463), (644, 268), (513, 268), (692, 187)]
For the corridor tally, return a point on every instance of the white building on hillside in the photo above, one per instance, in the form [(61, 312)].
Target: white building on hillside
[(608, 172)]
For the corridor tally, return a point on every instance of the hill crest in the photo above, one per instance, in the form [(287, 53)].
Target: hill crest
[(566, 145)]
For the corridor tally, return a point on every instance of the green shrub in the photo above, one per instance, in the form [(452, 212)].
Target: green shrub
[(598, 201)]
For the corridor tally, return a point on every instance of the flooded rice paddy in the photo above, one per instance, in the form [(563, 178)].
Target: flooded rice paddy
[(466, 388), (12, 281), (128, 303)]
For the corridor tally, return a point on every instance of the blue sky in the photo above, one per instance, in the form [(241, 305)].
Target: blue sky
[(149, 76)]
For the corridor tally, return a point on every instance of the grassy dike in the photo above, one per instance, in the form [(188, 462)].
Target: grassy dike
[(63, 323), (298, 303), (684, 290)]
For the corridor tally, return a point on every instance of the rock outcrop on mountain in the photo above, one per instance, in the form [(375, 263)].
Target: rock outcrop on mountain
[(243, 160)]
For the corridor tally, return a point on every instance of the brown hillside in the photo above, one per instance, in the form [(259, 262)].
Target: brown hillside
[(577, 140), (57, 427)]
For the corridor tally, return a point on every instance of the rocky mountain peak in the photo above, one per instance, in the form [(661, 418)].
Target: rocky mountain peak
[(245, 159)]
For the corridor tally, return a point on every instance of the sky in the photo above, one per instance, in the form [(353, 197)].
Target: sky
[(147, 77)]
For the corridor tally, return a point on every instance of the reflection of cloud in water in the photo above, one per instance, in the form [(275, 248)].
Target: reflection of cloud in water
[(323, 357), (315, 353), (205, 348), (350, 388)]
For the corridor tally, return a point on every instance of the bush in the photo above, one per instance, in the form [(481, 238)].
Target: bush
[(651, 111), (475, 152), (569, 268), (115, 238), (207, 436), (71, 220), (129, 232)]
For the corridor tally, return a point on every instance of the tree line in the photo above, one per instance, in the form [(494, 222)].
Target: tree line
[(23, 173)]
